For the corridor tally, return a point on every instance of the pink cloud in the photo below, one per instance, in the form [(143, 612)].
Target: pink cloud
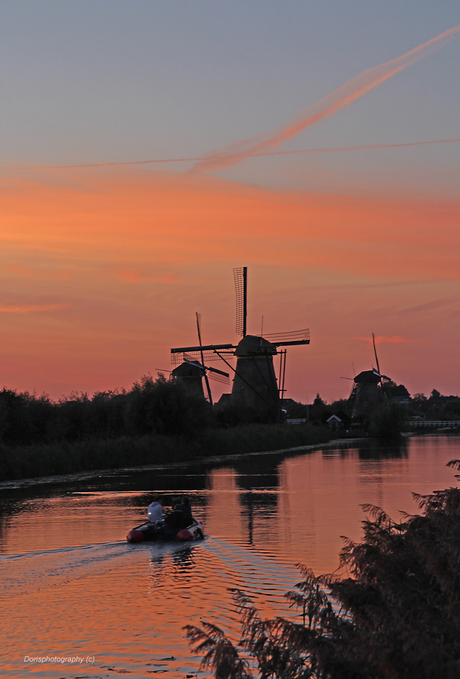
[(30, 308), (393, 339)]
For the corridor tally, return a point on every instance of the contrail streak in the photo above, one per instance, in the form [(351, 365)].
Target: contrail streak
[(333, 102), (359, 148), (130, 162), (336, 149)]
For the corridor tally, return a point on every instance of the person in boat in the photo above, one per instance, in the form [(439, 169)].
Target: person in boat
[(186, 510), (180, 517)]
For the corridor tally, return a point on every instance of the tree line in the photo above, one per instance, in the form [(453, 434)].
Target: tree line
[(151, 406), (157, 421), (166, 407), (432, 407)]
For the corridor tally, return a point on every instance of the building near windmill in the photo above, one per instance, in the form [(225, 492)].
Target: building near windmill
[(255, 385)]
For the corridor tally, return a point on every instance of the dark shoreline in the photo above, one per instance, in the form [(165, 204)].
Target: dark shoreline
[(34, 465), (96, 473)]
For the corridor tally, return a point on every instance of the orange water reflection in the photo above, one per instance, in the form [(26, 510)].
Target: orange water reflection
[(73, 587)]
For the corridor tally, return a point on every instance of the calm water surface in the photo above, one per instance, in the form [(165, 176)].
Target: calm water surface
[(73, 588)]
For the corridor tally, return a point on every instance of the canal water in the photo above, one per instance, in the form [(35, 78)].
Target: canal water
[(78, 601)]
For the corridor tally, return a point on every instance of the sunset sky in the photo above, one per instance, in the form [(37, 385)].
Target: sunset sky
[(148, 147)]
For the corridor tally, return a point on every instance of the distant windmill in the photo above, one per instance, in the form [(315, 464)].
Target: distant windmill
[(254, 384), (368, 391), (192, 371)]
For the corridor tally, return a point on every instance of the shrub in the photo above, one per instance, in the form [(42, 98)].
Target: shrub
[(396, 612), (165, 407), (388, 422)]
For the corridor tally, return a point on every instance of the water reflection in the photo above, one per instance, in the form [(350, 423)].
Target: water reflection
[(372, 450), (70, 580), (293, 505)]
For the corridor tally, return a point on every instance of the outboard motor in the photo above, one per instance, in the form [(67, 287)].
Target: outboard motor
[(155, 512)]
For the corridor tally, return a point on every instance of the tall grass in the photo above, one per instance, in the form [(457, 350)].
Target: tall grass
[(20, 462)]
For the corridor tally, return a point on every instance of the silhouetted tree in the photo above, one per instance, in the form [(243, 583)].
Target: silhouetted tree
[(165, 407), (388, 422), (24, 417), (396, 391), (318, 410)]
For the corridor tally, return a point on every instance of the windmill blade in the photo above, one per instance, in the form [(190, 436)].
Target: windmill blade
[(197, 364), (219, 378), (378, 371), (187, 359), (216, 371), (212, 352), (225, 348), (375, 354), (240, 276), (198, 326), (292, 337), (208, 388), (215, 374)]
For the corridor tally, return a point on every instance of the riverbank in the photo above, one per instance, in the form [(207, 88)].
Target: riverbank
[(29, 465)]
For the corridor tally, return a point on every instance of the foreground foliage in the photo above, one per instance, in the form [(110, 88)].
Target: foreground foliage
[(396, 612)]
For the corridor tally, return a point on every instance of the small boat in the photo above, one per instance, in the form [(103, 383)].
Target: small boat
[(160, 531)]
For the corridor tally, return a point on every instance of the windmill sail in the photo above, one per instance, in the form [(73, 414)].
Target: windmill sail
[(240, 276), (284, 339), (209, 352), (208, 388), (378, 370), (254, 383)]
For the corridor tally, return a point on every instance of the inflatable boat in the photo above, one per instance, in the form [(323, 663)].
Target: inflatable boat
[(161, 531)]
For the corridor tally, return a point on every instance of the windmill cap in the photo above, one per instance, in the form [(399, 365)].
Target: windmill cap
[(369, 376), (252, 345)]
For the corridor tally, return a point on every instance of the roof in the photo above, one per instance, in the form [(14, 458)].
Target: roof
[(369, 377)]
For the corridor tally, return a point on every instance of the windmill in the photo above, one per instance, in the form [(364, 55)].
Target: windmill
[(254, 383), (368, 391), (193, 371)]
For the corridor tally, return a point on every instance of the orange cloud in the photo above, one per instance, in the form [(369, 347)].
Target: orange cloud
[(31, 308), (123, 260), (133, 275), (151, 220)]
